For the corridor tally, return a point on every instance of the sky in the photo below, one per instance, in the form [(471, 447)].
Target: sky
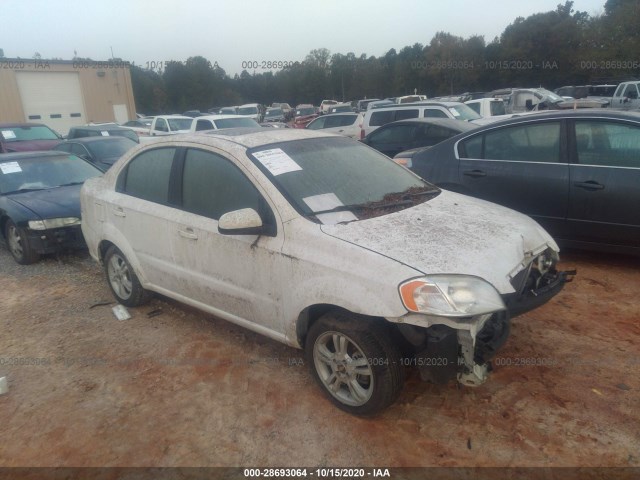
[(231, 32)]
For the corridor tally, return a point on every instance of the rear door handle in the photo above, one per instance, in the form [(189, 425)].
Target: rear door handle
[(590, 185), (118, 212), (188, 233), (475, 173)]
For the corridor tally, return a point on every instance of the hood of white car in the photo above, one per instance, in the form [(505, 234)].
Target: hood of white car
[(453, 234)]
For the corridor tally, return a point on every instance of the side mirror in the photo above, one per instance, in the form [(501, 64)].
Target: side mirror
[(245, 221), (529, 105)]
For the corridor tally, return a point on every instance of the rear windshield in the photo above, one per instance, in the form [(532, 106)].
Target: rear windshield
[(115, 147), (179, 123), (236, 122)]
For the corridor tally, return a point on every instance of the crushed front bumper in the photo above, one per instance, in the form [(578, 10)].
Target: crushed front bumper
[(53, 240), (536, 284)]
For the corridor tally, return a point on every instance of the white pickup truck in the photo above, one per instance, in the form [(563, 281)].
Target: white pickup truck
[(487, 107), (626, 96), (169, 125)]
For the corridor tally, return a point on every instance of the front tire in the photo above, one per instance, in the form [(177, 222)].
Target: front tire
[(122, 280), (18, 244), (355, 362)]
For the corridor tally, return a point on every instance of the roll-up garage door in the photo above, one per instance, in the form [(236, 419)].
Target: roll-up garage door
[(52, 98)]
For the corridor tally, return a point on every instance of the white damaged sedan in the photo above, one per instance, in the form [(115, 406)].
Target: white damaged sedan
[(324, 244)]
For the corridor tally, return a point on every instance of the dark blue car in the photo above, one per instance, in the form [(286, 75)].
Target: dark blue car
[(576, 172), (40, 202)]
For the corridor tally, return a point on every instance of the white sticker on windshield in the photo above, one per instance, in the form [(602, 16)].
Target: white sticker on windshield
[(327, 201), (454, 112), (10, 167), (8, 134), (276, 161), (104, 133), (324, 201)]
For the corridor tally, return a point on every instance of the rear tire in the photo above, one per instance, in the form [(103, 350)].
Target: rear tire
[(355, 362), (122, 280)]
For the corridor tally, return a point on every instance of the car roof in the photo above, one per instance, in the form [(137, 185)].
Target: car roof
[(341, 114), (249, 105), (14, 125), (96, 139), (559, 114), (218, 117), (14, 156), (99, 127), (246, 137), (418, 104), (460, 125)]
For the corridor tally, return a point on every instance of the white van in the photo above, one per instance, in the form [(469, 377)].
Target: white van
[(376, 117)]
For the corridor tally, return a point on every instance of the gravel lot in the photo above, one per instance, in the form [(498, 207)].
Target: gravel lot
[(186, 389)]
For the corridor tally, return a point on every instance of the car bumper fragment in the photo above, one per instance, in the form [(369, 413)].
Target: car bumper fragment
[(56, 239), (549, 285)]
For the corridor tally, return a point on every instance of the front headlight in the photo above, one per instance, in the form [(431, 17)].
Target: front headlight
[(53, 223), (450, 295)]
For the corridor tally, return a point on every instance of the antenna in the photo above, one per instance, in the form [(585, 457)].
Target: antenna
[(112, 57)]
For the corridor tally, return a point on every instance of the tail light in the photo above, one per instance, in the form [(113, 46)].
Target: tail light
[(362, 135)]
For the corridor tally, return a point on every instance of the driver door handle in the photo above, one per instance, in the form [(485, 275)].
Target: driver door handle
[(188, 233), (590, 185), (119, 212), (474, 173)]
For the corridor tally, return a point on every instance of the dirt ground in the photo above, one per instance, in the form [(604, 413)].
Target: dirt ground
[(186, 389)]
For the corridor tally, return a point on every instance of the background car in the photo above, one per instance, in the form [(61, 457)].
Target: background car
[(347, 124), (102, 152), (303, 115), (274, 114), (576, 172), (25, 137), (141, 126), (228, 111), (104, 130), (217, 122), (251, 110), (402, 135), (39, 202), (362, 104), (325, 104), (340, 108)]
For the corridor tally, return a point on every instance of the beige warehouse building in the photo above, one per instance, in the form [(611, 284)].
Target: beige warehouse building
[(65, 93)]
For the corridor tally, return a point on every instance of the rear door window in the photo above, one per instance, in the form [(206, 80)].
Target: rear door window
[(404, 114)]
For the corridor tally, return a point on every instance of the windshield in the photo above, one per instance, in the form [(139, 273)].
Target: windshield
[(276, 112), (497, 108), (305, 111), (464, 112), (230, 110), (236, 122), (179, 123), (21, 134), (554, 97), (39, 173), (114, 147), (247, 111), (339, 174)]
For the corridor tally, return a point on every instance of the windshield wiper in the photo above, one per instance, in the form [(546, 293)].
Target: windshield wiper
[(420, 194), (22, 190), (70, 184)]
